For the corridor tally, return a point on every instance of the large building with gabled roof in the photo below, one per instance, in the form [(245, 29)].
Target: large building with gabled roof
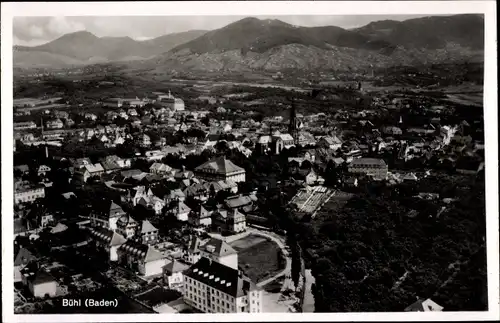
[(220, 168)]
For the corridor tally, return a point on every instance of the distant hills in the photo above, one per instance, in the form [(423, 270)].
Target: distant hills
[(271, 44), (83, 47)]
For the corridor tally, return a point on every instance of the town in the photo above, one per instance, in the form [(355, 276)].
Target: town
[(178, 210), (249, 165)]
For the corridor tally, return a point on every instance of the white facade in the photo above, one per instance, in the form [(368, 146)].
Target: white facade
[(29, 195), (210, 300)]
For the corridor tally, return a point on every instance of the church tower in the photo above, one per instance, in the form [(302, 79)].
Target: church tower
[(293, 126)]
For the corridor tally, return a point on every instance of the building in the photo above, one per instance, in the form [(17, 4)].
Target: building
[(108, 217), (171, 103), (148, 233), (43, 170), (220, 251), (212, 287), (141, 258), (276, 142), (55, 124), (422, 305), (40, 283), (21, 260), (107, 241), (328, 142), (200, 217), (88, 171), (28, 193), (369, 166), (220, 168), (127, 226), (24, 125), (113, 103), (229, 221), (173, 274), (193, 251)]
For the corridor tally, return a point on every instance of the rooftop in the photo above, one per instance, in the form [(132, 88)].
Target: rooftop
[(219, 165), (221, 277)]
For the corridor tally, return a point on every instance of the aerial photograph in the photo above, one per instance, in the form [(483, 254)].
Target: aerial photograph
[(249, 164)]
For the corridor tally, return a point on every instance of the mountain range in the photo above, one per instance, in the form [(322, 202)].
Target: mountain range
[(270, 44)]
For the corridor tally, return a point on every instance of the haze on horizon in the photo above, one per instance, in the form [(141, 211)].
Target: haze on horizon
[(33, 31)]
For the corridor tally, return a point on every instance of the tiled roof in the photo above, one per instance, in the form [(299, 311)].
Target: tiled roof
[(147, 227), (238, 201), (23, 257), (141, 251), (219, 165), (108, 236), (175, 266), (36, 275), (368, 161), (421, 305), (220, 277), (218, 248)]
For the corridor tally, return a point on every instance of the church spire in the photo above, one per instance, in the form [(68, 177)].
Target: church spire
[(292, 127)]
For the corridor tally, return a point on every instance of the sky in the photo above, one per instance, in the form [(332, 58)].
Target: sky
[(32, 31)]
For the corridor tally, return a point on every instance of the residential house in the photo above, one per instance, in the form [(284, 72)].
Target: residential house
[(180, 210), (55, 124), (88, 171), (28, 193), (21, 260), (43, 170), (160, 169), (173, 274), (219, 251), (200, 217), (148, 233), (39, 281), (328, 142), (229, 221), (107, 241), (127, 226), (141, 258)]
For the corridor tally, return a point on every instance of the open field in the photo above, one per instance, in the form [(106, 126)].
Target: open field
[(258, 257)]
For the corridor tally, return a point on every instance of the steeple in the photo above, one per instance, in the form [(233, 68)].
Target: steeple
[(292, 127)]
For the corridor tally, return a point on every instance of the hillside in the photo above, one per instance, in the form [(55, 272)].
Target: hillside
[(85, 48), (270, 44), (251, 44)]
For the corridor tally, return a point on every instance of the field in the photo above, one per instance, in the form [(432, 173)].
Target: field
[(258, 257)]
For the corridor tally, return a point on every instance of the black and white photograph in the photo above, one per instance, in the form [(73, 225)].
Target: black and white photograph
[(271, 162)]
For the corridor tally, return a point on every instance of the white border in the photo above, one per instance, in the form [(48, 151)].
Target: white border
[(488, 8)]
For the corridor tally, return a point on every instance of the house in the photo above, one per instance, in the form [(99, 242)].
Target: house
[(231, 291), (148, 233), (328, 142), (159, 168), (220, 168), (369, 166), (193, 251), (173, 274), (88, 171), (107, 217), (21, 260), (127, 226), (39, 281), (107, 241), (238, 201), (23, 169), (219, 251), (229, 221), (28, 193), (200, 217), (153, 202), (55, 124), (145, 140), (141, 258), (43, 170), (90, 116), (181, 211), (422, 305)]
